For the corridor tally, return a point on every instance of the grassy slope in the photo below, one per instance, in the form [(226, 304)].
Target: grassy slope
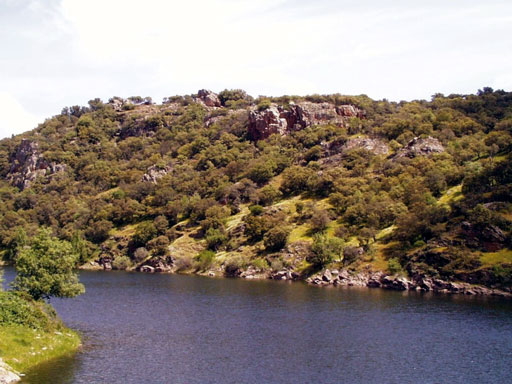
[(23, 348)]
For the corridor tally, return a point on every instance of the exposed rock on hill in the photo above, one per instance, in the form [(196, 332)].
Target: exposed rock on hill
[(155, 173), (27, 164), (489, 238), (264, 123), (208, 98), (376, 146), (277, 119), (421, 147)]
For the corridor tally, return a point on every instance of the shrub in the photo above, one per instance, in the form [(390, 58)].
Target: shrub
[(264, 104), (159, 245), (140, 254), (45, 268), (268, 194), (319, 220), (121, 263), (260, 263), (144, 233), (394, 266), (256, 210), (17, 308), (98, 231), (275, 239), (183, 264), (350, 254), (215, 238), (325, 250), (255, 227), (204, 260)]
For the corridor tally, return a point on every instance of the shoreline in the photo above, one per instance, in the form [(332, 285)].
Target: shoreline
[(334, 277)]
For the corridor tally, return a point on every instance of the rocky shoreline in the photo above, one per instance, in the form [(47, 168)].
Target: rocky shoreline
[(336, 277), (400, 283)]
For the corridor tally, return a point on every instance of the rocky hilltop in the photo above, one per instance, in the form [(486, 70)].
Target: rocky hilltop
[(330, 189)]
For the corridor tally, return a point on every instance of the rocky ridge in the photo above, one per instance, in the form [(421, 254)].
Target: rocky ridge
[(296, 116)]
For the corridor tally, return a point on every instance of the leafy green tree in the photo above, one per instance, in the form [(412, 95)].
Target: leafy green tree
[(144, 233), (45, 268), (275, 239), (325, 250)]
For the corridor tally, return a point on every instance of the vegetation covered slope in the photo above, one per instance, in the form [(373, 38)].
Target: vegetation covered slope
[(225, 183), (31, 333)]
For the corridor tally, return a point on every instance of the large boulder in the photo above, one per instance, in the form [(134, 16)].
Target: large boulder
[(420, 147), (208, 98), (155, 173), (297, 116), (264, 123)]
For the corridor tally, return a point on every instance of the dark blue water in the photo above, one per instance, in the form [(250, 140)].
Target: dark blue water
[(140, 328)]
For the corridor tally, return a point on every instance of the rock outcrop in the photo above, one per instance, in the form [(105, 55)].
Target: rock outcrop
[(27, 164), (490, 238), (376, 146), (7, 374), (281, 120), (208, 98), (420, 147), (155, 173)]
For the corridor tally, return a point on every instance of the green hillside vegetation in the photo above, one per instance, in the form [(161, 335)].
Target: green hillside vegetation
[(184, 187)]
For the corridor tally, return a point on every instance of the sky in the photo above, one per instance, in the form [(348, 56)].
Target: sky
[(57, 53)]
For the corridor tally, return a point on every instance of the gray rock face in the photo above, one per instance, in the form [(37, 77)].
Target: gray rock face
[(420, 147), (7, 374), (277, 119), (155, 173), (376, 146), (27, 164), (208, 98)]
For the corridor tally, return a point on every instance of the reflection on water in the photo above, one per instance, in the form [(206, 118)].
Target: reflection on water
[(142, 328)]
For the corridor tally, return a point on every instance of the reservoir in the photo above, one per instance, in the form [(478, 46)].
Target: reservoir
[(158, 328)]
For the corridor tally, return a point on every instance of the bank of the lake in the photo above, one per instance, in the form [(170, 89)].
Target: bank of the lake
[(24, 348), (331, 277), (31, 334)]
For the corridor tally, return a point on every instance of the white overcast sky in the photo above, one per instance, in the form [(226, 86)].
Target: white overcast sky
[(56, 53)]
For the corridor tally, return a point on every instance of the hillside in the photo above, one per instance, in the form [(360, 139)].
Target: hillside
[(333, 189)]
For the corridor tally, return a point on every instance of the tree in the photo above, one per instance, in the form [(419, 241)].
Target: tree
[(275, 238), (325, 250), (45, 268), (319, 220)]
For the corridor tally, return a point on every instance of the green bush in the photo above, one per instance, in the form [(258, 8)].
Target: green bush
[(275, 239), (204, 260), (394, 266), (325, 250), (17, 308), (256, 210), (121, 263), (215, 238)]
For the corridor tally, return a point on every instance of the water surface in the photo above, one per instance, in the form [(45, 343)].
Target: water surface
[(140, 328)]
